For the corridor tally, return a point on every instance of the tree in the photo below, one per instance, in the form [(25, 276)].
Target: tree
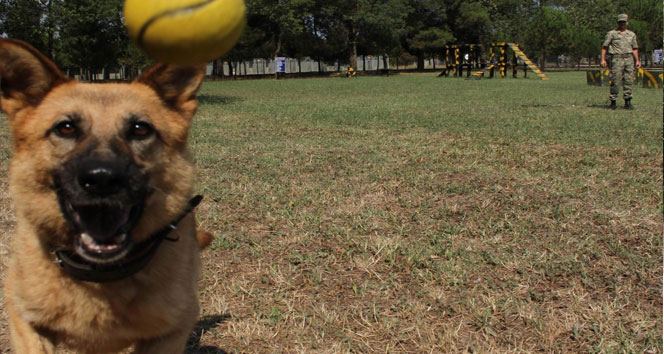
[(548, 33), (30, 21), (596, 15), (599, 16), (431, 41), (508, 18), (370, 23), (646, 22), (471, 22), (92, 33), (253, 43), (585, 43), (132, 59), (643, 38), (278, 19), (427, 20), (379, 32)]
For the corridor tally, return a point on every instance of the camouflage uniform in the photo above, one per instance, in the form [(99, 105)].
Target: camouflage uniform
[(621, 47)]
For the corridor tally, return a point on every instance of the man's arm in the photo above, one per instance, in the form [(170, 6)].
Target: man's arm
[(636, 57), (605, 46), (635, 49), (603, 57)]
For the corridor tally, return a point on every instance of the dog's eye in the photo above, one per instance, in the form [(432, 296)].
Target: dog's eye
[(66, 129), (140, 130)]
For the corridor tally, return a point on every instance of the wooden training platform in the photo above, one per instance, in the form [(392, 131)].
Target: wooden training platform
[(471, 57)]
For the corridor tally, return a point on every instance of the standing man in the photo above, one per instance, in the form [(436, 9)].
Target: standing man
[(623, 52)]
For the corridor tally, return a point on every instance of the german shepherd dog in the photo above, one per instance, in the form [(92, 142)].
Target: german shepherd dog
[(106, 253)]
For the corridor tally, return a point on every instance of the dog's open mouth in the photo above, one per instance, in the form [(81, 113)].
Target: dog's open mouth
[(102, 230)]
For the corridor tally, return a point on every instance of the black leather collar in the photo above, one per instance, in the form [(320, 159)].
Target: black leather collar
[(139, 256)]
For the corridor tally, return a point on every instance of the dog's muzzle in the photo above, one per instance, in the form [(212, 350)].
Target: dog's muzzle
[(135, 260), (102, 200)]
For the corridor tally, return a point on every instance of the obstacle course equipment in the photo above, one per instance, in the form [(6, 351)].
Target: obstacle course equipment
[(470, 58), (645, 78)]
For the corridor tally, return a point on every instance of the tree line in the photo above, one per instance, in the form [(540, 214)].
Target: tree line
[(89, 35)]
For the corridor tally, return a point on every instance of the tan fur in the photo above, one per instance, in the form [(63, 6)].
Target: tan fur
[(204, 239), (156, 308)]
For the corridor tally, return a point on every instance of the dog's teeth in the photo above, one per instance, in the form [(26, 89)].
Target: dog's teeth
[(89, 243), (87, 239), (110, 247)]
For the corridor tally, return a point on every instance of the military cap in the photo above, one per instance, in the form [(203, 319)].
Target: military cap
[(622, 18)]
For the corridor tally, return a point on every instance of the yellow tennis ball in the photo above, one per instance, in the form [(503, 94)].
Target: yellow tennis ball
[(185, 32)]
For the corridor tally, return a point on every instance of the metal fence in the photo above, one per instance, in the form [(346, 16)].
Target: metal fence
[(266, 66)]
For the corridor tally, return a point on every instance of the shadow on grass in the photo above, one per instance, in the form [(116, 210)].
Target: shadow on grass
[(217, 99), (206, 323)]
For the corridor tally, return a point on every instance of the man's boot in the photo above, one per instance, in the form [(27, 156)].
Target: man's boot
[(628, 104), (613, 104)]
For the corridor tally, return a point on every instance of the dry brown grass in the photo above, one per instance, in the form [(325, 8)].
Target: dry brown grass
[(6, 226)]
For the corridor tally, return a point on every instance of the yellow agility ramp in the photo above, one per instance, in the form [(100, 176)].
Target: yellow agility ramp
[(528, 62)]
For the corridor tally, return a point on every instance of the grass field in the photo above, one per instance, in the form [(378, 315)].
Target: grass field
[(415, 214)]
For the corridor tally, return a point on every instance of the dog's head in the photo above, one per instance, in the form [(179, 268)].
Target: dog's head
[(96, 167)]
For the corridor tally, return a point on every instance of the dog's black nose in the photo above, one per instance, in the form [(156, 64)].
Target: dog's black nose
[(102, 178)]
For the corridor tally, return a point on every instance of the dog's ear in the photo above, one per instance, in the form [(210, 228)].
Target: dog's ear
[(26, 76), (175, 85)]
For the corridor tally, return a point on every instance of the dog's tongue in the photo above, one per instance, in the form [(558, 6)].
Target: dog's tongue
[(103, 223)]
